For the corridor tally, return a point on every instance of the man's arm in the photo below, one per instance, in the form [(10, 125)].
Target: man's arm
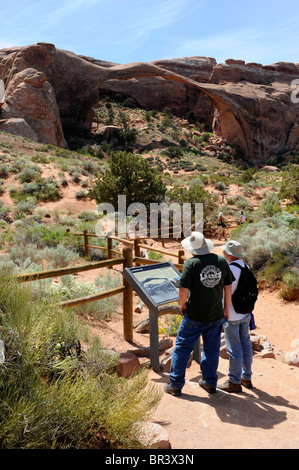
[(183, 295), (227, 300)]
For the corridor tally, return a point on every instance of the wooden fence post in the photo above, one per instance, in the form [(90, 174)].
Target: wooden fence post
[(109, 246), (137, 249), (86, 246), (180, 256), (128, 298)]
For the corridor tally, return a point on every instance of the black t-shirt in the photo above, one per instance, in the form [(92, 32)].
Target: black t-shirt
[(205, 276)]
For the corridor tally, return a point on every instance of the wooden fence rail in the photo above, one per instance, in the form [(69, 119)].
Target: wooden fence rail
[(126, 260), (136, 243)]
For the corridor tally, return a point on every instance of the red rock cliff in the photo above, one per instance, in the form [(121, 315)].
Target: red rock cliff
[(48, 91)]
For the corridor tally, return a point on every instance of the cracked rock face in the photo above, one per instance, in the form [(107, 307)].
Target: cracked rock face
[(46, 93)]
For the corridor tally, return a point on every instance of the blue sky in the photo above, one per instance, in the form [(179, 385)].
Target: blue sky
[(124, 31)]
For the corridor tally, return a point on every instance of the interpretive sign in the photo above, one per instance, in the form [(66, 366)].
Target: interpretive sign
[(155, 284)]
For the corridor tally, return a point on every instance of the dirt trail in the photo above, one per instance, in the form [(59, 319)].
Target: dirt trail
[(265, 417)]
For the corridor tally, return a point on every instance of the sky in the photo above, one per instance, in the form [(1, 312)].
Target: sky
[(125, 31)]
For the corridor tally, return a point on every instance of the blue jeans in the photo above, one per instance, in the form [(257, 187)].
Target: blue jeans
[(188, 334), (239, 349)]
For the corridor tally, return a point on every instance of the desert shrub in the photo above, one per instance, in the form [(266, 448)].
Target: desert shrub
[(39, 234), (21, 254), (27, 258), (42, 189), (271, 245), (264, 238), (247, 175), (173, 323), (53, 396), (4, 210), (195, 194), (127, 137), (88, 216), (59, 257), (26, 207), (130, 103), (4, 171), (290, 286), (155, 256), (70, 289), (81, 194), (271, 204), (289, 188), (29, 174), (130, 175), (173, 152)]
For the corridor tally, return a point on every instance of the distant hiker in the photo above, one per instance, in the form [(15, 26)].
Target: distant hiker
[(236, 329), (221, 227), (204, 278), (242, 217)]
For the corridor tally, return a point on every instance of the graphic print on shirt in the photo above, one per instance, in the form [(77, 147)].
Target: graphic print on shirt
[(210, 276)]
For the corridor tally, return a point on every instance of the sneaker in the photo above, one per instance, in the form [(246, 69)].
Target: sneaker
[(169, 388), (246, 383), (208, 388), (230, 387)]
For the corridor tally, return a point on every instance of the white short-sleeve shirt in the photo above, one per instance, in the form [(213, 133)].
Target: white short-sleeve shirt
[(233, 316)]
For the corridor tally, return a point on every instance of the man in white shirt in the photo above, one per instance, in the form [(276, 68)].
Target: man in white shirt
[(236, 330), (242, 217)]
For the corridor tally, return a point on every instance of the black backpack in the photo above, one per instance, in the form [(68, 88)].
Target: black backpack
[(245, 296)]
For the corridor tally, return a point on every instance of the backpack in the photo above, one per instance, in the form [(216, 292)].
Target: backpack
[(245, 296)]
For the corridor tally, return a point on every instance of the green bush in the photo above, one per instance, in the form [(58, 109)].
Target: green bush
[(271, 248), (289, 188), (70, 289), (39, 234), (173, 152), (130, 175), (290, 286), (54, 396), (29, 174), (42, 189)]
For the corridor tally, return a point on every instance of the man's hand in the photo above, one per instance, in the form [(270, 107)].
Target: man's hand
[(183, 309), (226, 314), (183, 295)]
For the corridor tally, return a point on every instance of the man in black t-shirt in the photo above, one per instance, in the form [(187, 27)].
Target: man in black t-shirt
[(205, 278)]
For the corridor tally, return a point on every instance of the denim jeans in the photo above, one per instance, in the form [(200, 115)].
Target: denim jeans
[(239, 349), (188, 334)]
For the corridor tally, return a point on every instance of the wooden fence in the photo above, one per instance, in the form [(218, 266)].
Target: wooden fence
[(136, 245), (126, 257)]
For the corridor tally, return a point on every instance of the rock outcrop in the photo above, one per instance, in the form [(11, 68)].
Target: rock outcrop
[(47, 94)]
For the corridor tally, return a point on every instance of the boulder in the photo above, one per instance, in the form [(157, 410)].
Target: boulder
[(291, 358), (127, 365), (153, 435), (30, 108)]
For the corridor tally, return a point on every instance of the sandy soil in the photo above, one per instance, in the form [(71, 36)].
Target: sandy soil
[(265, 417)]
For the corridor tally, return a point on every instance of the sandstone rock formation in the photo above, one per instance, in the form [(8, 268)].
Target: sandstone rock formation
[(47, 94)]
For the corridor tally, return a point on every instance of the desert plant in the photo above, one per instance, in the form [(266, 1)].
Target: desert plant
[(59, 257), (290, 286), (70, 289), (53, 396), (129, 175), (29, 174), (289, 186)]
